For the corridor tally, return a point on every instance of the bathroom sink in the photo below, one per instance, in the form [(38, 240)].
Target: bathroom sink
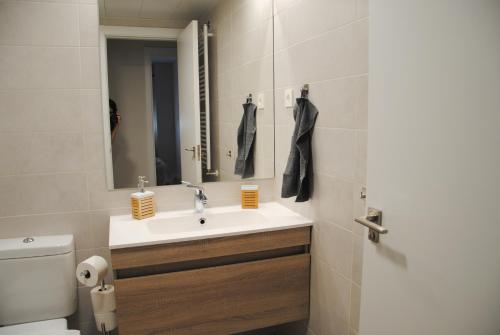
[(178, 226), (207, 221)]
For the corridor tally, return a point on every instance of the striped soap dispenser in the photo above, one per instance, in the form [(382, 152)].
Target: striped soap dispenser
[(143, 202)]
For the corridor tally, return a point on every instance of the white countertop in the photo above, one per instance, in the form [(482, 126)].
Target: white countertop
[(178, 226)]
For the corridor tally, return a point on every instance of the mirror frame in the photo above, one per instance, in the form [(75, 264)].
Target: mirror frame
[(129, 33)]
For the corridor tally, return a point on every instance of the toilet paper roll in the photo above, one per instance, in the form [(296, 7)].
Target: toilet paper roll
[(92, 271), (103, 300), (108, 319)]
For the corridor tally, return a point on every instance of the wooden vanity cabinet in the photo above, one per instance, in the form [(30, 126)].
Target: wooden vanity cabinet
[(215, 286)]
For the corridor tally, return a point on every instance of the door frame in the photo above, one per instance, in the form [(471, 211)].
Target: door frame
[(151, 55), (128, 33)]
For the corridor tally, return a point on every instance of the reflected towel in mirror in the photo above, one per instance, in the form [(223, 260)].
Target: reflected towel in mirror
[(246, 138)]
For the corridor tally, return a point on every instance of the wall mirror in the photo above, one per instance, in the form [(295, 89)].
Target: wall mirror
[(187, 90)]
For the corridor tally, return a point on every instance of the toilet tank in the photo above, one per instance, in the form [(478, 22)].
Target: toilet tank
[(37, 278)]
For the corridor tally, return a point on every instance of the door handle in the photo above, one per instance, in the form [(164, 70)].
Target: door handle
[(193, 150), (373, 221)]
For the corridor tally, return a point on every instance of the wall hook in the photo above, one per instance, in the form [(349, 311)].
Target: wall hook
[(304, 92)]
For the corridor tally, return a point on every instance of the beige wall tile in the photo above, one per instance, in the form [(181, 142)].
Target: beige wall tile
[(224, 33), (338, 53), (357, 259), (248, 15), (99, 223), (100, 197), (253, 45), (258, 76), (94, 151), (359, 208), (335, 296), (335, 152), (328, 50), (362, 9), (38, 23), (316, 288), (13, 150), (334, 301), (91, 77), (36, 194), (88, 17), (224, 61), (336, 245), (305, 19), (355, 306), (361, 109), (40, 110), (91, 109), (344, 100), (335, 200), (55, 153), (361, 156), (49, 224), (27, 67)]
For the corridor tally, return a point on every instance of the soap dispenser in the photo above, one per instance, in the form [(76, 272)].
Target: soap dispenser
[(143, 202)]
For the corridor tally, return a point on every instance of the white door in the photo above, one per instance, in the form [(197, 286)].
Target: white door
[(189, 103), (434, 168)]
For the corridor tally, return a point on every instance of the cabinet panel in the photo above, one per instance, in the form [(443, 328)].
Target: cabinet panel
[(216, 300), (209, 248)]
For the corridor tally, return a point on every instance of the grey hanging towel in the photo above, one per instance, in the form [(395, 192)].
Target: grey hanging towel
[(246, 138), (298, 175)]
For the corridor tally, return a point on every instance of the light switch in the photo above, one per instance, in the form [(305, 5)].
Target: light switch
[(229, 153), (260, 101), (289, 98)]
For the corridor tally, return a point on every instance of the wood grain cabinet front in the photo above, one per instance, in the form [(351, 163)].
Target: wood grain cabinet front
[(226, 294)]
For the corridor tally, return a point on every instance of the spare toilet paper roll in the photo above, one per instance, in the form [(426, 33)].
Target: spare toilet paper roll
[(103, 300), (92, 271), (108, 319)]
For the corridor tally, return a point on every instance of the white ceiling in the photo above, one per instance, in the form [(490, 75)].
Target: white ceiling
[(155, 9)]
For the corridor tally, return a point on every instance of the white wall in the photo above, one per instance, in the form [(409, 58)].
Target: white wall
[(325, 43), (52, 172)]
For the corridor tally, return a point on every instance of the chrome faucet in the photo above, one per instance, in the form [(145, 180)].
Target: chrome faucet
[(200, 198)]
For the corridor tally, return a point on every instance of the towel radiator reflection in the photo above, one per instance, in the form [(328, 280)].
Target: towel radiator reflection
[(206, 159)]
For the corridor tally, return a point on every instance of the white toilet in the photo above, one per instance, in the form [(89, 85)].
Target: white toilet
[(37, 285)]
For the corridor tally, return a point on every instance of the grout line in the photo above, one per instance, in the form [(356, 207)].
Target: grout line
[(42, 89), (352, 22), (38, 132), (46, 174), (89, 211), (78, 25), (352, 76), (61, 2), (44, 46)]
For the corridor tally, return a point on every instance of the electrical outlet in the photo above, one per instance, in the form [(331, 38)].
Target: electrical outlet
[(260, 101), (289, 98)]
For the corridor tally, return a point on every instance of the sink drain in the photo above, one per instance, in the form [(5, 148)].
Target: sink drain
[(202, 220)]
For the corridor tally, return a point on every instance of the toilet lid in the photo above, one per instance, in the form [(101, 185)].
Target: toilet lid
[(57, 326)]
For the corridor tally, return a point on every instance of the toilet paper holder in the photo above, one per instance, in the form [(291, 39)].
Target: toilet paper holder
[(103, 330), (103, 287), (86, 274)]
